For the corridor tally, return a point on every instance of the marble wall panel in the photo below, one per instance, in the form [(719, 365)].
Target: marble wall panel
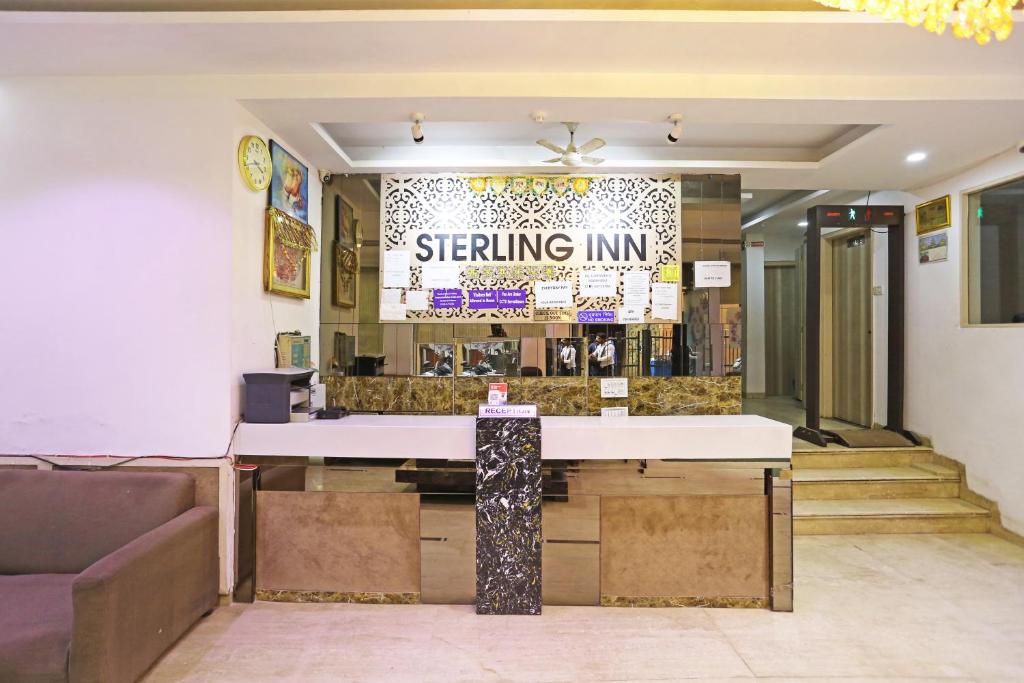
[(676, 547), (553, 395), (335, 542), (508, 516), (391, 394), (672, 396)]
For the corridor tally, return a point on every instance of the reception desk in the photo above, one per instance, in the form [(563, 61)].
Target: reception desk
[(634, 511)]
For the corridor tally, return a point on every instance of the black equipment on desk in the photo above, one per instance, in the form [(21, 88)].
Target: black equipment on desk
[(268, 393)]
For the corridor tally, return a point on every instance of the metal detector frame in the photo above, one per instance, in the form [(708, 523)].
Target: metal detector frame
[(840, 216)]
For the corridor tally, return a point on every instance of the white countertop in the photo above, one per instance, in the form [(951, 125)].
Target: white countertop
[(696, 437)]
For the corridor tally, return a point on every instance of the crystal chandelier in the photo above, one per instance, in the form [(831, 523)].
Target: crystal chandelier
[(978, 19)]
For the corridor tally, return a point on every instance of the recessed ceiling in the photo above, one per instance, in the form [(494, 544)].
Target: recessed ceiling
[(803, 136), (790, 100)]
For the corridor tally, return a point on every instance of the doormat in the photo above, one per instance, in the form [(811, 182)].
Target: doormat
[(871, 438)]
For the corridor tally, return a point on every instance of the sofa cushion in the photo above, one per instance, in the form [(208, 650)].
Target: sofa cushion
[(60, 522), (35, 627)]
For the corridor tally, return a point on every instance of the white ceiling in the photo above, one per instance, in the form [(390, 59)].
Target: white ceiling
[(791, 100)]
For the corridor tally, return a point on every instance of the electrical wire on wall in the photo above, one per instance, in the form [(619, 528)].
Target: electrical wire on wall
[(177, 458)]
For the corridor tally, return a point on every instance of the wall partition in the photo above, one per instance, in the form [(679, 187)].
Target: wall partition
[(436, 285)]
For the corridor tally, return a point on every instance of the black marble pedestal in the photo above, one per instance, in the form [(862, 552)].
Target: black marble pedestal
[(508, 519)]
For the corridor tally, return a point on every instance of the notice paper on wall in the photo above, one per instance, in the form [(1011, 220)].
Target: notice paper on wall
[(615, 411), (614, 387), (712, 274), (392, 311), (552, 294), (416, 300), (598, 282), (635, 289), (664, 300), (630, 315), (440, 275), (391, 296), (670, 272), (396, 269)]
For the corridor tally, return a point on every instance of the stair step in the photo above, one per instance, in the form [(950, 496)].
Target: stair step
[(854, 483), (896, 516), (831, 458)]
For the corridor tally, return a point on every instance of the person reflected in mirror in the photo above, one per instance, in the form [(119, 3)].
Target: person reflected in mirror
[(566, 358), (602, 358)]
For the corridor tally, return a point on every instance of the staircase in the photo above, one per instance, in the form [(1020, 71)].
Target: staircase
[(880, 491)]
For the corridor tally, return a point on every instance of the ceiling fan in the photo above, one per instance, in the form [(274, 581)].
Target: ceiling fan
[(572, 155)]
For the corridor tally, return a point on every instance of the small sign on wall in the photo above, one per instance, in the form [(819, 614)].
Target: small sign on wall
[(932, 248), (712, 274), (618, 411), (614, 387), (497, 394)]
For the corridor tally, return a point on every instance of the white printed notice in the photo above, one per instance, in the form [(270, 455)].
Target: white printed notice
[(392, 311), (391, 296), (441, 276), (664, 300), (629, 315), (712, 274), (635, 287), (552, 294), (599, 282), (614, 387), (396, 269), (416, 300)]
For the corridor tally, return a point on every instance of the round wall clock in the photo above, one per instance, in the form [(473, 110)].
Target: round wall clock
[(254, 162)]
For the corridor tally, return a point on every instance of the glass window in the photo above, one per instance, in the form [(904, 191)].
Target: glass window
[(995, 236)]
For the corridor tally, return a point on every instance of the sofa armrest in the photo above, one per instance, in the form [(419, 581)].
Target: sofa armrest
[(131, 605)]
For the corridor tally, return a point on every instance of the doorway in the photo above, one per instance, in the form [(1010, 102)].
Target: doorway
[(850, 344), (780, 328)]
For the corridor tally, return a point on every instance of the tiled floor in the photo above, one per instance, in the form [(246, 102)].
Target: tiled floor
[(895, 608)]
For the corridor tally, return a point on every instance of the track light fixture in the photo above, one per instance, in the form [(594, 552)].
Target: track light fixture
[(677, 128), (417, 128)]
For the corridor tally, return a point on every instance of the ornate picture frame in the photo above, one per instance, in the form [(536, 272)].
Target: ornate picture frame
[(346, 276), (287, 255), (932, 215)]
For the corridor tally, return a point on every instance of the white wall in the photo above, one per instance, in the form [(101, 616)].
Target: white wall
[(965, 385), (257, 316), (117, 272), (753, 312)]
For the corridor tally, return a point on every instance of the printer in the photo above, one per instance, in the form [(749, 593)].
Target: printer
[(282, 395)]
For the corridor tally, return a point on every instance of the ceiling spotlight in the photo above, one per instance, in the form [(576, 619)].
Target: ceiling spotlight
[(677, 128), (802, 224), (915, 157), (417, 129), (538, 115)]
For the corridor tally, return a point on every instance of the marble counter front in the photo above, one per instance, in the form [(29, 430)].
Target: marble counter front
[(452, 437)]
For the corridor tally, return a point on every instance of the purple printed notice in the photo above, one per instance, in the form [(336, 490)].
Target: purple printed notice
[(447, 298), (483, 298), (511, 298), (595, 316)]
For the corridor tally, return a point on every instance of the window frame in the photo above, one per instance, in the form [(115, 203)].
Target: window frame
[(964, 213)]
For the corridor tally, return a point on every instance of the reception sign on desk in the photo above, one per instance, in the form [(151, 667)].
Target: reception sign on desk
[(522, 411)]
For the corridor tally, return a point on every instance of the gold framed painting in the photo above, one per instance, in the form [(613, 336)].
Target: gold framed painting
[(933, 215), (346, 275), (287, 252)]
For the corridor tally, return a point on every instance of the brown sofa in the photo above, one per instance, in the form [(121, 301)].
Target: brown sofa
[(100, 572)]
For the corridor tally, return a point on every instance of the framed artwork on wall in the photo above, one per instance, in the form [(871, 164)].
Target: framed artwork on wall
[(346, 222), (933, 215), (346, 275), (287, 252), (289, 183)]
